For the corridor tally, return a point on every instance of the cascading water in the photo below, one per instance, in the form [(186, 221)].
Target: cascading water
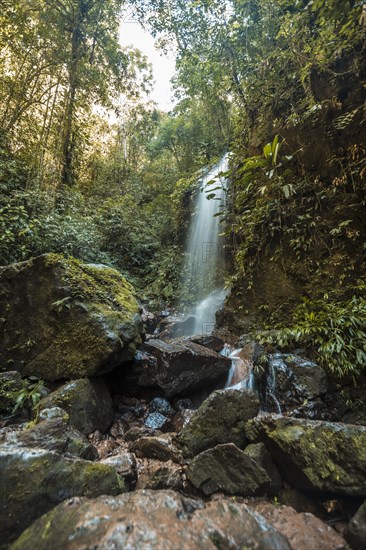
[(204, 260)]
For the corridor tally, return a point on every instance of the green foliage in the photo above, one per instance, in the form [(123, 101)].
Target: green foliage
[(334, 330), (23, 395)]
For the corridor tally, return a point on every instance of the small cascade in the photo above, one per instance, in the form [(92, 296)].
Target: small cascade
[(241, 371), (203, 273), (271, 387)]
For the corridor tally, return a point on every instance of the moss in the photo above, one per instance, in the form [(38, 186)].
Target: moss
[(97, 283)]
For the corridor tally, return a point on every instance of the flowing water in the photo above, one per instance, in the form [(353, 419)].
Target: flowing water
[(204, 261)]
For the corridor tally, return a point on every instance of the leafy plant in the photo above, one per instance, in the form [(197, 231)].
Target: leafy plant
[(335, 331), (25, 394)]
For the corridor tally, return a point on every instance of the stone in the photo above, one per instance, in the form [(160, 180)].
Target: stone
[(161, 447), (210, 341), (87, 402), (161, 405), (228, 469), (220, 419), (151, 520), (177, 368), (289, 380), (356, 530), (314, 455), (166, 476), (155, 421), (124, 464), (84, 318), (261, 457), (303, 531), (56, 435), (36, 480)]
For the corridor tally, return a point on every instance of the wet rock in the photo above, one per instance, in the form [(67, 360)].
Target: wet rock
[(220, 419), (261, 456), (124, 464), (289, 380), (176, 368), (35, 480), (303, 531), (182, 404), (69, 303), (160, 447), (315, 455), (175, 326), (228, 469), (52, 413), (155, 421), (181, 420), (88, 403), (151, 520), (210, 341), (56, 435), (356, 531), (161, 405)]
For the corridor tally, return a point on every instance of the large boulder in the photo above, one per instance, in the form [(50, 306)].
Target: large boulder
[(304, 531), (315, 455), (87, 402), (35, 480), (177, 367), (61, 318), (220, 419), (289, 380), (228, 469), (150, 520)]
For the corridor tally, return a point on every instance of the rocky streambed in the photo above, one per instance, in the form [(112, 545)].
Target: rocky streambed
[(136, 442)]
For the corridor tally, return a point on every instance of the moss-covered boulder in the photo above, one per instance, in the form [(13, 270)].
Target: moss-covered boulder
[(87, 402), (228, 469), (33, 481), (315, 455), (150, 520), (60, 318), (220, 419), (55, 434)]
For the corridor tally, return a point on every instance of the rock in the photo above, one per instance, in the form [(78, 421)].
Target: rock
[(261, 457), (175, 326), (137, 432), (167, 476), (84, 318), (56, 435), (160, 447), (315, 455), (303, 531), (228, 469), (150, 520), (209, 341), (289, 380), (183, 404), (35, 480), (220, 419), (161, 405), (88, 403), (176, 368), (52, 413), (124, 464), (155, 421), (356, 530)]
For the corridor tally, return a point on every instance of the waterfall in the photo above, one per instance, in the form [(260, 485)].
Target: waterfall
[(203, 273)]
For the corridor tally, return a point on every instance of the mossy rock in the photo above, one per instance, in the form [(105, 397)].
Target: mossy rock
[(220, 419), (87, 402), (314, 455), (61, 318), (33, 481)]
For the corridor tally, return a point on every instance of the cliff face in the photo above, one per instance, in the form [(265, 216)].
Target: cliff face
[(317, 246)]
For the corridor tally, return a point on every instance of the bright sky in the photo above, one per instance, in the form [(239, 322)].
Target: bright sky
[(132, 34)]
